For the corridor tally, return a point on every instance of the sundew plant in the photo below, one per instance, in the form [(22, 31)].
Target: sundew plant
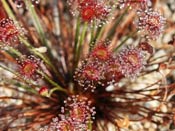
[(87, 65)]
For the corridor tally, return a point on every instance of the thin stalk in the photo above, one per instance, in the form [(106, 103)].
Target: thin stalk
[(55, 89), (120, 18), (90, 125), (79, 45), (52, 82), (16, 52), (41, 33), (8, 10), (123, 42), (83, 35), (27, 88), (77, 33), (7, 69), (98, 33), (91, 44), (37, 23), (76, 40)]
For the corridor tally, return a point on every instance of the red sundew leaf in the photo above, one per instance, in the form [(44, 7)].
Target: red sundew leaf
[(131, 61), (91, 10), (101, 52), (88, 13), (9, 33), (79, 109), (76, 115), (91, 73), (151, 22), (28, 67)]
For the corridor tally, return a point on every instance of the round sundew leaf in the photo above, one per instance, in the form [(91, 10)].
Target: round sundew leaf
[(151, 22), (9, 33), (131, 61), (28, 67), (88, 14)]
